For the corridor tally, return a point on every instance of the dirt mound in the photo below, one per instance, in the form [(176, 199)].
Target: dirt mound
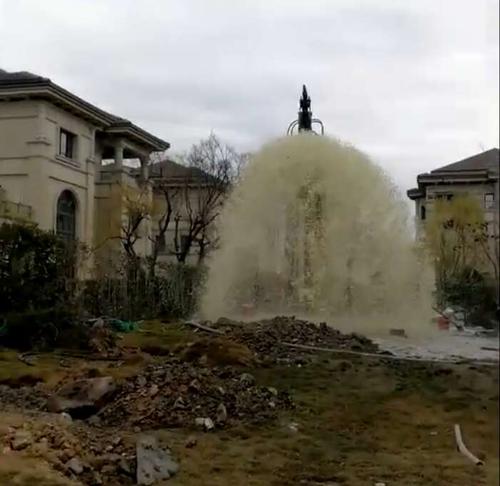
[(175, 394), (266, 338), (218, 351), (88, 455)]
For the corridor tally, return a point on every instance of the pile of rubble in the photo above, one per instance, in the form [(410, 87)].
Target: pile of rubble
[(268, 338), (179, 394), (88, 455)]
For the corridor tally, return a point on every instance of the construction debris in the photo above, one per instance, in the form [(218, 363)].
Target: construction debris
[(153, 463), (187, 395), (266, 338)]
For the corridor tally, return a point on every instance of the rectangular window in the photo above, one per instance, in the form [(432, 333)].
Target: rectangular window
[(67, 144), (422, 212), (489, 201)]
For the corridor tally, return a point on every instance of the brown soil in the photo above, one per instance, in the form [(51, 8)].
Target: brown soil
[(355, 421)]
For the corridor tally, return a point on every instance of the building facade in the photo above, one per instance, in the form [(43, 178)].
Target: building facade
[(476, 176), (62, 161)]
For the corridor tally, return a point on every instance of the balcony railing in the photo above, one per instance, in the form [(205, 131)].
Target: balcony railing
[(15, 211)]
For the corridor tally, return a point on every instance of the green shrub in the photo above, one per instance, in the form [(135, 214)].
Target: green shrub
[(36, 269)]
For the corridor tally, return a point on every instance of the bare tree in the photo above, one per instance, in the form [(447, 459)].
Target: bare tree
[(214, 166), (165, 216)]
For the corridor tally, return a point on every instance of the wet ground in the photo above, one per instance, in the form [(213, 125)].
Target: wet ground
[(443, 346)]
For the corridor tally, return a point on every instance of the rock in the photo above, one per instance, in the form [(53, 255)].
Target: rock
[(95, 421), (153, 390), (116, 441), (124, 467), (141, 381), (293, 427), (247, 380), (379, 484), (82, 398), (194, 385), (96, 479), (136, 429), (41, 447), (153, 463), (272, 391), (179, 403), (205, 423), (191, 442), (221, 416), (21, 440), (66, 418), (75, 465)]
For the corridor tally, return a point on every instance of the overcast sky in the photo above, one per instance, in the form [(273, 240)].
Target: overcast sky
[(412, 83)]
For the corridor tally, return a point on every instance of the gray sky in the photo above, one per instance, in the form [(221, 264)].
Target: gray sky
[(414, 84)]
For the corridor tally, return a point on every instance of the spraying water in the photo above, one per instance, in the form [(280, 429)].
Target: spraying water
[(318, 230)]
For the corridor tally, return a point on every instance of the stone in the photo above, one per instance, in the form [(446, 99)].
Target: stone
[(247, 379), (221, 416), (66, 418), (191, 442), (82, 398), (141, 381), (75, 465), (272, 391), (136, 429), (293, 427), (205, 423), (153, 462), (179, 403), (96, 479), (116, 441), (124, 467), (21, 440), (95, 421), (154, 390), (195, 385)]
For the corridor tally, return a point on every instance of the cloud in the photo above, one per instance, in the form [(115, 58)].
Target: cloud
[(415, 84)]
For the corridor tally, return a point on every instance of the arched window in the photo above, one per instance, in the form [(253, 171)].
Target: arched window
[(66, 216)]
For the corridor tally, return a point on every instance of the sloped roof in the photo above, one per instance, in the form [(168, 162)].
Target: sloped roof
[(488, 160), (173, 172), (483, 167), (24, 83)]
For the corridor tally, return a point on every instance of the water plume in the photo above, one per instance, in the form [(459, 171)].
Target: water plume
[(316, 229)]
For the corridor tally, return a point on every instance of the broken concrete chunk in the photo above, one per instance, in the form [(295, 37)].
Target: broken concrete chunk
[(75, 465), (82, 398), (221, 414), (247, 379), (205, 423), (191, 442), (21, 440), (153, 463)]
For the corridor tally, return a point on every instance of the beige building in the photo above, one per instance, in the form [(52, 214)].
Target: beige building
[(62, 161), (476, 176)]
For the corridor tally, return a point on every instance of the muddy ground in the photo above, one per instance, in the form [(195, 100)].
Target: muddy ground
[(339, 419)]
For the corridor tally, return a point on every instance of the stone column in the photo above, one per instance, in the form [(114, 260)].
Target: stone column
[(119, 155), (144, 168)]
